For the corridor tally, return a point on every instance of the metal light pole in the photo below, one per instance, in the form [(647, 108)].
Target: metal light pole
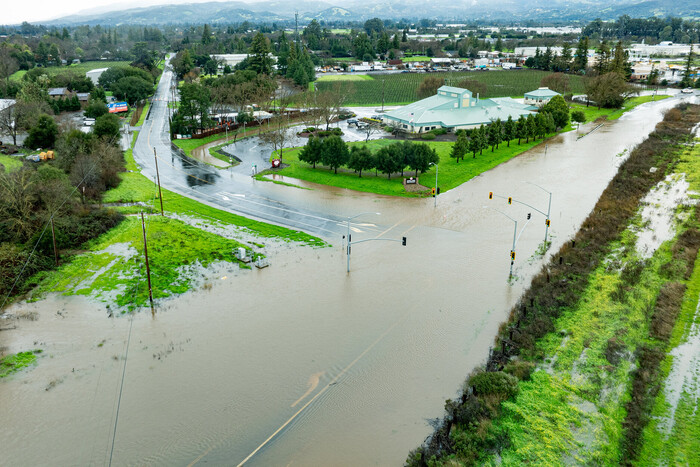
[(549, 210), (437, 169), (347, 237), (515, 231)]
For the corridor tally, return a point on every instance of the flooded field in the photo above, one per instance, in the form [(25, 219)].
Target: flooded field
[(301, 363)]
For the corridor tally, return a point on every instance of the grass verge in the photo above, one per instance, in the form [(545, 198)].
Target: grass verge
[(11, 162), (594, 113)]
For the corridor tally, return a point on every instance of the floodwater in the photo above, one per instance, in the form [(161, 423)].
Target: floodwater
[(301, 363)]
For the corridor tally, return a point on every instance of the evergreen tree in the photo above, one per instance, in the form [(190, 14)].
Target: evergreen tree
[(311, 152), (581, 59), (259, 58), (619, 63), (687, 80), (360, 159), (460, 147), (521, 128), (603, 65), (509, 130), (334, 152)]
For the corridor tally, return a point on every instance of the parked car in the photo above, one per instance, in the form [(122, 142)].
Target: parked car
[(687, 91), (352, 121)]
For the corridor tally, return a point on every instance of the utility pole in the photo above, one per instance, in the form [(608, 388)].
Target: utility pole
[(148, 269), (53, 234), (160, 194)]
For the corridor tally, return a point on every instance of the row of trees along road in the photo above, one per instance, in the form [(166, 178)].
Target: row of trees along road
[(334, 153)]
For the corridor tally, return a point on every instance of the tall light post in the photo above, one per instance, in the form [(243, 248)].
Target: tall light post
[(347, 237), (437, 169), (515, 231), (549, 210)]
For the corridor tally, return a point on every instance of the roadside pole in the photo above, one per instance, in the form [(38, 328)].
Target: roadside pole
[(160, 193), (148, 269)]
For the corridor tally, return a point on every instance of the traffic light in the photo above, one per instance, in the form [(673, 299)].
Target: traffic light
[(546, 222), (512, 255), (510, 200), (528, 215), (403, 241), (438, 192), (432, 191), (490, 194)]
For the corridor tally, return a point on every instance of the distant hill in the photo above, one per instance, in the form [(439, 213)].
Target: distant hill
[(359, 10)]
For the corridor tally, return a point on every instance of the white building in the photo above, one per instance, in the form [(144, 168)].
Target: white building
[(663, 49)]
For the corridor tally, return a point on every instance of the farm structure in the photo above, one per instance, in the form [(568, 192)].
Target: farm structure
[(540, 96), (454, 109)]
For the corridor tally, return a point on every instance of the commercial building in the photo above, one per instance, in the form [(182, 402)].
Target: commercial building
[(454, 109)]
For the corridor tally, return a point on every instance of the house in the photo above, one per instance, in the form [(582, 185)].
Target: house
[(83, 98), (540, 96), (59, 93), (454, 109)]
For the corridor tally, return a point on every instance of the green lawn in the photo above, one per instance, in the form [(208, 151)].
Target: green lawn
[(452, 173), (324, 78), (11, 162), (417, 58), (80, 68)]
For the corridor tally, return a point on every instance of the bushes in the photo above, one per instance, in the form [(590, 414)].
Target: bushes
[(496, 383), (427, 136)]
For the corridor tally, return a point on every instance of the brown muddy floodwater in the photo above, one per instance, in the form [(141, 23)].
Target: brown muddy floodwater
[(301, 363)]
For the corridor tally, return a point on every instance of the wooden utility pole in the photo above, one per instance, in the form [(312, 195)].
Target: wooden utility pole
[(160, 194), (53, 234), (148, 269)]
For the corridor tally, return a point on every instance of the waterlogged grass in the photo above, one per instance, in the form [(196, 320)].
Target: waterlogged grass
[(451, 173), (11, 162), (114, 269), (593, 113), (573, 408), (80, 68), (673, 433), (13, 363)]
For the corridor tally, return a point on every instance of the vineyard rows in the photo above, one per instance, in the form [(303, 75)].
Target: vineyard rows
[(400, 88)]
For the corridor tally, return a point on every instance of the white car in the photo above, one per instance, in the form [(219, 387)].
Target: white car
[(687, 91)]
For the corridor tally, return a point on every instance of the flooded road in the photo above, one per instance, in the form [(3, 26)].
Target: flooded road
[(301, 363)]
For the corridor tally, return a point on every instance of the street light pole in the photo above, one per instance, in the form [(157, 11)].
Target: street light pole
[(515, 231), (549, 210), (437, 169), (347, 237)]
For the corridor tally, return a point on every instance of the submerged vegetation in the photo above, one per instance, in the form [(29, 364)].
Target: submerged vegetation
[(584, 344), (13, 363)]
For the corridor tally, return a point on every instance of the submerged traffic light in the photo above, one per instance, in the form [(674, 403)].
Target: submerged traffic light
[(512, 255), (490, 194), (546, 222), (432, 191), (510, 200), (403, 241)]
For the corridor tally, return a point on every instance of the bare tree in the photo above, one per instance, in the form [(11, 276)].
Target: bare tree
[(8, 64), (279, 135), (372, 129), (330, 103), (16, 202), (20, 117)]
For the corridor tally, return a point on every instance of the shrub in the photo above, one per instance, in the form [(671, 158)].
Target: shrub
[(337, 131), (439, 131), (494, 383), (427, 136)]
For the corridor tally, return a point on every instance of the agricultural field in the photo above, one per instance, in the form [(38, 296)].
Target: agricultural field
[(400, 88), (332, 78)]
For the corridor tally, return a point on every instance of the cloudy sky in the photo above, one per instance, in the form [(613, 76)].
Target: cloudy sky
[(16, 11)]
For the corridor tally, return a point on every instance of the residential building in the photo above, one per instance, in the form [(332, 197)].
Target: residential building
[(540, 96)]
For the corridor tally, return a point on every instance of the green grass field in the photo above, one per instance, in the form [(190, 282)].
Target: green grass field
[(80, 68), (400, 88), (11, 162), (592, 113), (452, 173)]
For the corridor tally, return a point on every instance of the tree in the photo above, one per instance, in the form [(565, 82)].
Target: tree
[(578, 116), (334, 152), (311, 152), (474, 144), (460, 147), (259, 57), (422, 156), (279, 136), (389, 159), (43, 134), (95, 108), (329, 103), (17, 199), (603, 64), (429, 86), (360, 159), (509, 130), (374, 25), (476, 87), (619, 63), (521, 128), (8, 64), (530, 128), (558, 82), (581, 58), (482, 139), (195, 100), (362, 46), (558, 109), (609, 90), (132, 89), (107, 126), (687, 80)]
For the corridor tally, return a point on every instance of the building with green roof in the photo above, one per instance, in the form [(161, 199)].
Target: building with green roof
[(454, 109), (540, 96)]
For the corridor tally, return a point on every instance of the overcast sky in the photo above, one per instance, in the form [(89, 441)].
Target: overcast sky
[(16, 11)]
